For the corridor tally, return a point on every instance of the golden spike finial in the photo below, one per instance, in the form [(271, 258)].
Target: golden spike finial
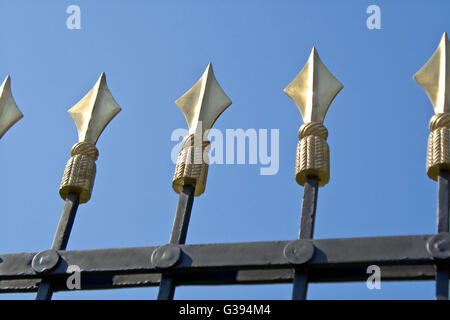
[(92, 113), (201, 106), (9, 113), (434, 77), (313, 89), (204, 102)]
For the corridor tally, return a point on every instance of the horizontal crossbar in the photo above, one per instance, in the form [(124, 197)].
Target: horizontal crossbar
[(333, 260)]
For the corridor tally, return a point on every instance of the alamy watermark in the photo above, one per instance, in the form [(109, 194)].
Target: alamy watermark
[(374, 280), (74, 20), (73, 282), (236, 146), (374, 20)]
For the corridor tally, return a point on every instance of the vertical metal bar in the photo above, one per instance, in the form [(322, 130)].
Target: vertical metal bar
[(443, 225), (309, 205), (182, 216), (61, 238), (65, 224), (178, 236), (443, 201)]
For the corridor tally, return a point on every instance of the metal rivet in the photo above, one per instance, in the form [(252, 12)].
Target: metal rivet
[(439, 246), (45, 261), (166, 256), (299, 251)]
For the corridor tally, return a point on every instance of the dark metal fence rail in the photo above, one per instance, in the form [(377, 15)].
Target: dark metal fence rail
[(327, 260), (416, 257)]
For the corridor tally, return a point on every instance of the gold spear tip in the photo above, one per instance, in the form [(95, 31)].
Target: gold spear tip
[(204, 102), (9, 112), (93, 113), (434, 77), (313, 89)]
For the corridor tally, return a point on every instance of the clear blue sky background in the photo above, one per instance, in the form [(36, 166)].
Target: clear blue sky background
[(152, 52)]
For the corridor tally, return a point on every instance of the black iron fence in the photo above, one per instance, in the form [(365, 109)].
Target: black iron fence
[(300, 261)]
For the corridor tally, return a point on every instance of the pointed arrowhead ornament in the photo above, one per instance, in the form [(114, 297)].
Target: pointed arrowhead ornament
[(204, 102), (201, 106), (313, 89), (434, 77), (92, 113), (9, 113)]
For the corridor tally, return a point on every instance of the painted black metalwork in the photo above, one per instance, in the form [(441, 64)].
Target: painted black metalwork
[(308, 217), (419, 257), (334, 260), (178, 236), (442, 274), (61, 239)]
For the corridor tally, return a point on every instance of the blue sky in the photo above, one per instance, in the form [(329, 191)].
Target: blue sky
[(152, 52)]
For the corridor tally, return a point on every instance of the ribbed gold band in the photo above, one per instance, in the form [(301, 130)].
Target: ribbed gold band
[(313, 155), (192, 165), (79, 174), (438, 153)]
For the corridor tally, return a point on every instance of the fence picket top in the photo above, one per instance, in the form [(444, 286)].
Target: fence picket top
[(94, 111), (9, 112), (434, 77), (204, 102), (313, 89)]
